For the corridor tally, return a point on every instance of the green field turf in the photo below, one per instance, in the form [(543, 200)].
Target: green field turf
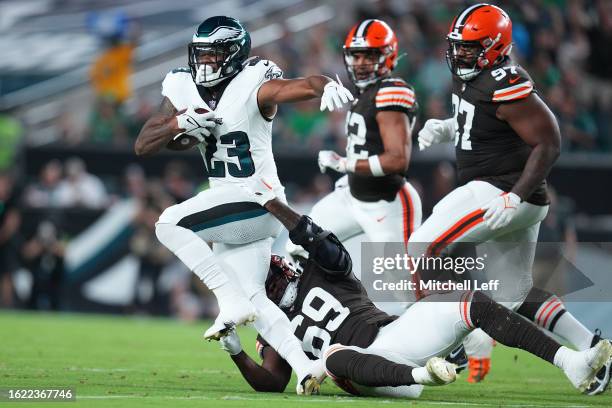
[(132, 361)]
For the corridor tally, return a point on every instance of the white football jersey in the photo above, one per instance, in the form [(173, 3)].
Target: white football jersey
[(241, 146)]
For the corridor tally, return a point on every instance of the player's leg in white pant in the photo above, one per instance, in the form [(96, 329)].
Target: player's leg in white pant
[(222, 214), (334, 213), (249, 264), (427, 329), (478, 344), (391, 221)]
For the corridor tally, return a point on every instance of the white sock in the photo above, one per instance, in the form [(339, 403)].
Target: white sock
[(421, 375), (274, 326), (573, 331), (199, 258), (562, 356)]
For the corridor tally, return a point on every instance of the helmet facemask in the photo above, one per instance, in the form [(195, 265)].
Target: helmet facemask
[(466, 59), (212, 63), (369, 70), (282, 282), (463, 58)]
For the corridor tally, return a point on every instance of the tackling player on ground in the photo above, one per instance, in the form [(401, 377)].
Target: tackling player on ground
[(506, 141), (374, 198), (368, 352), (225, 103)]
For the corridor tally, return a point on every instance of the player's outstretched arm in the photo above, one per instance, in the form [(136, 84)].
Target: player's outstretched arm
[(278, 91), (272, 375), (536, 125), (158, 130)]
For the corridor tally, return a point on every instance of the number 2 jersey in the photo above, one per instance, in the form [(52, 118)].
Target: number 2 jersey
[(364, 139), (242, 145), (329, 311), (487, 148)]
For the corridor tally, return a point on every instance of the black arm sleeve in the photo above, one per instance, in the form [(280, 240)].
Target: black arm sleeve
[(323, 248)]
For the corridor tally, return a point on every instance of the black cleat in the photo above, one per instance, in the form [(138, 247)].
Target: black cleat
[(459, 358)]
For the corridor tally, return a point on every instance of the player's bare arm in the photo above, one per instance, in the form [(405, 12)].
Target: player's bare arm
[(277, 91), (395, 133), (536, 125), (272, 375), (324, 248), (289, 218), (158, 131)]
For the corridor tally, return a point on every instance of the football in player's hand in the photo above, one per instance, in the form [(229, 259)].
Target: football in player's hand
[(184, 141)]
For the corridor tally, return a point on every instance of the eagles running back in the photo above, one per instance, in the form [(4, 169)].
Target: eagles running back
[(242, 145)]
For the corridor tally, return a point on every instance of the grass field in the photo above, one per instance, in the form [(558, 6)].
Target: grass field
[(131, 361)]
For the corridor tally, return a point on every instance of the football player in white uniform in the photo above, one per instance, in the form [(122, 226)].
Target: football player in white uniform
[(374, 197), (224, 103)]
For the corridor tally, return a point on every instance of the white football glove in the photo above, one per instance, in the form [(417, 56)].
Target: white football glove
[(332, 160), (436, 131), (501, 210), (231, 343), (198, 125), (335, 95), (259, 189)]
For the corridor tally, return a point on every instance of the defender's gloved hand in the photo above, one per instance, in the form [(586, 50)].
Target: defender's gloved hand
[(231, 343), (332, 160), (501, 210), (436, 131)]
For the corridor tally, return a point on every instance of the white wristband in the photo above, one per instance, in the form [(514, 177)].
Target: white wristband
[(375, 167), (350, 165)]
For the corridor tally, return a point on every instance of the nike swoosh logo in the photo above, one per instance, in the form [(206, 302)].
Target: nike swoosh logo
[(381, 218), (192, 121), (266, 184), (513, 80), (455, 353)]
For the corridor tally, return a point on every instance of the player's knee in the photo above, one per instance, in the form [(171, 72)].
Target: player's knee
[(169, 216)]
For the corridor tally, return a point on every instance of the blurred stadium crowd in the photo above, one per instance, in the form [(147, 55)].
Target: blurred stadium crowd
[(562, 43)]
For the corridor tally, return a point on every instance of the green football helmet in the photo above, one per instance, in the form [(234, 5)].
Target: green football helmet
[(218, 49)]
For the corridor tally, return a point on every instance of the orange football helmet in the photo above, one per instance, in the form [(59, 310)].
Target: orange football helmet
[(479, 37), (378, 41)]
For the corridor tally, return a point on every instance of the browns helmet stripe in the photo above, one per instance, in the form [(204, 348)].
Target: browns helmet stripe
[(362, 30), (463, 17)]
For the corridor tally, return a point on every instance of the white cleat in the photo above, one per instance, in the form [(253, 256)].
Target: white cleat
[(440, 371), (310, 384), (243, 313), (583, 366)]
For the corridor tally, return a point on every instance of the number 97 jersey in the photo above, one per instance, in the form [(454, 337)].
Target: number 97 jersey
[(487, 148), (364, 139)]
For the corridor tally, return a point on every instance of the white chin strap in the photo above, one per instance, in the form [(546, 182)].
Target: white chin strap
[(467, 73), (289, 296), (205, 76)]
